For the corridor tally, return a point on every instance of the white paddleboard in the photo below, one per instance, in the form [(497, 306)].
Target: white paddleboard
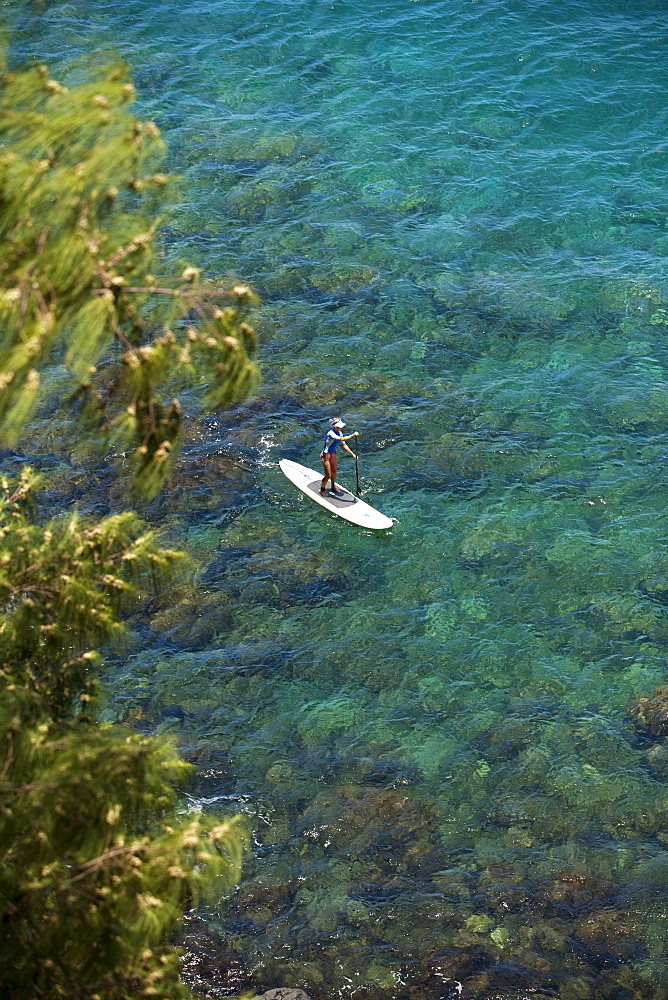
[(345, 504)]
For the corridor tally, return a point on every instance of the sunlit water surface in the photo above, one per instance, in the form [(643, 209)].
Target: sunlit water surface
[(457, 217)]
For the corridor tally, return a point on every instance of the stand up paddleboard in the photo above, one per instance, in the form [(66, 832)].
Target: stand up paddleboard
[(346, 504)]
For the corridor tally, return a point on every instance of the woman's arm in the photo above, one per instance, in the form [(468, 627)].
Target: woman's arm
[(346, 448)]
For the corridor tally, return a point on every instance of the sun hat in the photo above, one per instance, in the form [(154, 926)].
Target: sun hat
[(337, 422)]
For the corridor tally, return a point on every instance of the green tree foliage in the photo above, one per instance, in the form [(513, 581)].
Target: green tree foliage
[(98, 859), (79, 193), (96, 866), (62, 587)]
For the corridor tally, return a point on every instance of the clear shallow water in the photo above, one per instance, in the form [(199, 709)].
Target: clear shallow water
[(457, 216)]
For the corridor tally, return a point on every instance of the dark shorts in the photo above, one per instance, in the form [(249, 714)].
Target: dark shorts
[(327, 454)]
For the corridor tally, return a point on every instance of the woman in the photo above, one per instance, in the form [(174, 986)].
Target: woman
[(328, 453)]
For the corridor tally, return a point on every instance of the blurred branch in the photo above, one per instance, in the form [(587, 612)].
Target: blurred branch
[(79, 197)]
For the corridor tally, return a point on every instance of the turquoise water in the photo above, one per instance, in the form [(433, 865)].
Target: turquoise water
[(457, 217)]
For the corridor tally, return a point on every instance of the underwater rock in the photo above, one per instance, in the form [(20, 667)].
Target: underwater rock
[(284, 993), (193, 621), (250, 572), (152, 76), (610, 932), (651, 714), (207, 484), (268, 146), (345, 279), (475, 140), (386, 195), (657, 759), (393, 826), (208, 966), (511, 735), (268, 193), (654, 582), (214, 773), (267, 563), (264, 892), (574, 891), (383, 772)]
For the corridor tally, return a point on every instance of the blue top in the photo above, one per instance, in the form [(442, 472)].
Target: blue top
[(332, 438)]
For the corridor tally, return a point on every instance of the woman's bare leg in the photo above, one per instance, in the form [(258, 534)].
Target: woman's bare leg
[(333, 468), (326, 464)]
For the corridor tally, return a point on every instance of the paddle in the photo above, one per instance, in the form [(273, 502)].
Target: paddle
[(357, 471)]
